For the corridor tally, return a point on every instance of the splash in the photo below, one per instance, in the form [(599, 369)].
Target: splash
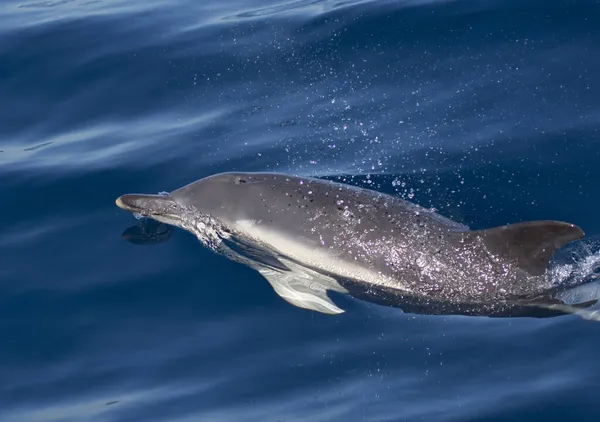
[(576, 264), (576, 276)]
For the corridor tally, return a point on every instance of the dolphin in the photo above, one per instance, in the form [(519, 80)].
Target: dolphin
[(309, 237)]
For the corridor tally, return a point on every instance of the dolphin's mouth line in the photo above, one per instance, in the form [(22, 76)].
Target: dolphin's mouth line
[(159, 215), (124, 206), (128, 207)]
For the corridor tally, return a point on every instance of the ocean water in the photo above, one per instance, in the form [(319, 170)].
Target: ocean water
[(487, 110)]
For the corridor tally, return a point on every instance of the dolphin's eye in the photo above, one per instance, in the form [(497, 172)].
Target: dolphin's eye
[(239, 181)]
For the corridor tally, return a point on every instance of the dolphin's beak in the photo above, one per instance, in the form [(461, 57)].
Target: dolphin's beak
[(148, 205)]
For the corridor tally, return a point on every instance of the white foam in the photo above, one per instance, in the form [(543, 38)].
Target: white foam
[(585, 261)]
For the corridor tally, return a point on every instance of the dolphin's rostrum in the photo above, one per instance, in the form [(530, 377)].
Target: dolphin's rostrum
[(308, 236)]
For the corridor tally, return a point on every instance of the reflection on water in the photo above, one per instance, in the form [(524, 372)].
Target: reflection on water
[(148, 232)]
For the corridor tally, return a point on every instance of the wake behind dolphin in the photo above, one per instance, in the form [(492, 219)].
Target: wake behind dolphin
[(309, 236)]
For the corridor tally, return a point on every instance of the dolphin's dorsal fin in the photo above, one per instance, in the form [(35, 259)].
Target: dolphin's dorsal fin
[(530, 245)]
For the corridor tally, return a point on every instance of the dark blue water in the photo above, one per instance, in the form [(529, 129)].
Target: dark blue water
[(487, 110)]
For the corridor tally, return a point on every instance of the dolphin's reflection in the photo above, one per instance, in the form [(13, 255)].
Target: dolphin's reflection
[(148, 232)]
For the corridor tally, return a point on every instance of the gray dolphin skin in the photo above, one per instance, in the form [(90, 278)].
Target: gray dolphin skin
[(309, 236)]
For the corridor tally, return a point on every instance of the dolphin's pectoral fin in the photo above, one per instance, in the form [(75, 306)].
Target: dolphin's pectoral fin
[(311, 296), (303, 287), (530, 245)]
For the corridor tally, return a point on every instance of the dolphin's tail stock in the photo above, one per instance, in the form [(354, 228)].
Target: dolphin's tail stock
[(579, 309)]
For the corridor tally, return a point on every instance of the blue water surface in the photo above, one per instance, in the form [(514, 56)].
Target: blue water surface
[(487, 110)]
